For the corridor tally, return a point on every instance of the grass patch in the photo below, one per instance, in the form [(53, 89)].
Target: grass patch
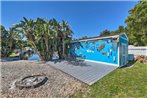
[(121, 83)]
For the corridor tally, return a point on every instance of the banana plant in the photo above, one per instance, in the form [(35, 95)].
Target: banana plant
[(66, 34), (46, 36)]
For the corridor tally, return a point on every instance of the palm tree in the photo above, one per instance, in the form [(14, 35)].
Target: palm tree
[(66, 33), (46, 36)]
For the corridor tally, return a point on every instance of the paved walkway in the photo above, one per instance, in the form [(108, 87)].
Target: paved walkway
[(87, 72)]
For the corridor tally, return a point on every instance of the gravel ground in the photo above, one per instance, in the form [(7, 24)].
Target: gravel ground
[(59, 84)]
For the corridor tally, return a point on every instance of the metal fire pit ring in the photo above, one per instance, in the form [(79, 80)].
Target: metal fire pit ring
[(31, 81)]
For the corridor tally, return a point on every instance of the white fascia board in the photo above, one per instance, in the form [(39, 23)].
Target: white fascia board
[(115, 36)]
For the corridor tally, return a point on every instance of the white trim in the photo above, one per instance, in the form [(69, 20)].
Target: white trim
[(118, 55), (114, 36), (99, 62)]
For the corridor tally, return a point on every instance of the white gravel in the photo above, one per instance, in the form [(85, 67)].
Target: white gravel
[(59, 84)]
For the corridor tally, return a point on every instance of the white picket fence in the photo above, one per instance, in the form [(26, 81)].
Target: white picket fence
[(137, 50)]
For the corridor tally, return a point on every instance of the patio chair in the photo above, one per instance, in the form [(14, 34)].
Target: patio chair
[(68, 58), (73, 59), (80, 60)]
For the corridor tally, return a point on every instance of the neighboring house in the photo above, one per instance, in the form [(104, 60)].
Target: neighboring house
[(108, 49)]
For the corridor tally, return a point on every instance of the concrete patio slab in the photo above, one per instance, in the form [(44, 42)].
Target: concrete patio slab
[(87, 72)]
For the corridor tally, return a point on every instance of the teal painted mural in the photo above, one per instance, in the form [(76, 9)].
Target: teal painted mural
[(104, 50)]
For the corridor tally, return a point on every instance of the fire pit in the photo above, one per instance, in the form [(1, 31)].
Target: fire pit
[(31, 81)]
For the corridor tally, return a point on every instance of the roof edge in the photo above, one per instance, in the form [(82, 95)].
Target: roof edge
[(125, 35), (96, 38)]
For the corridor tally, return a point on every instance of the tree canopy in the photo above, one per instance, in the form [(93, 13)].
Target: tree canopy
[(121, 29), (10, 40), (137, 24), (136, 28), (105, 32)]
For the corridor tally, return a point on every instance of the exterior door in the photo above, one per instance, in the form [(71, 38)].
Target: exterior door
[(124, 54)]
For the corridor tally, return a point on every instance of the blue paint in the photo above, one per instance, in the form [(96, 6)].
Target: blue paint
[(89, 49), (123, 36), (123, 41)]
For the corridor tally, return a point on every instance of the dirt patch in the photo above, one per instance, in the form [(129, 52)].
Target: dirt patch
[(141, 59)]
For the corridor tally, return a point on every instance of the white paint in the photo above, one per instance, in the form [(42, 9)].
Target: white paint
[(110, 51), (118, 53), (108, 54), (114, 58), (89, 51), (109, 40), (113, 36), (99, 62)]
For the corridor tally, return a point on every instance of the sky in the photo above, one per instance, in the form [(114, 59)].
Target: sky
[(85, 18)]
